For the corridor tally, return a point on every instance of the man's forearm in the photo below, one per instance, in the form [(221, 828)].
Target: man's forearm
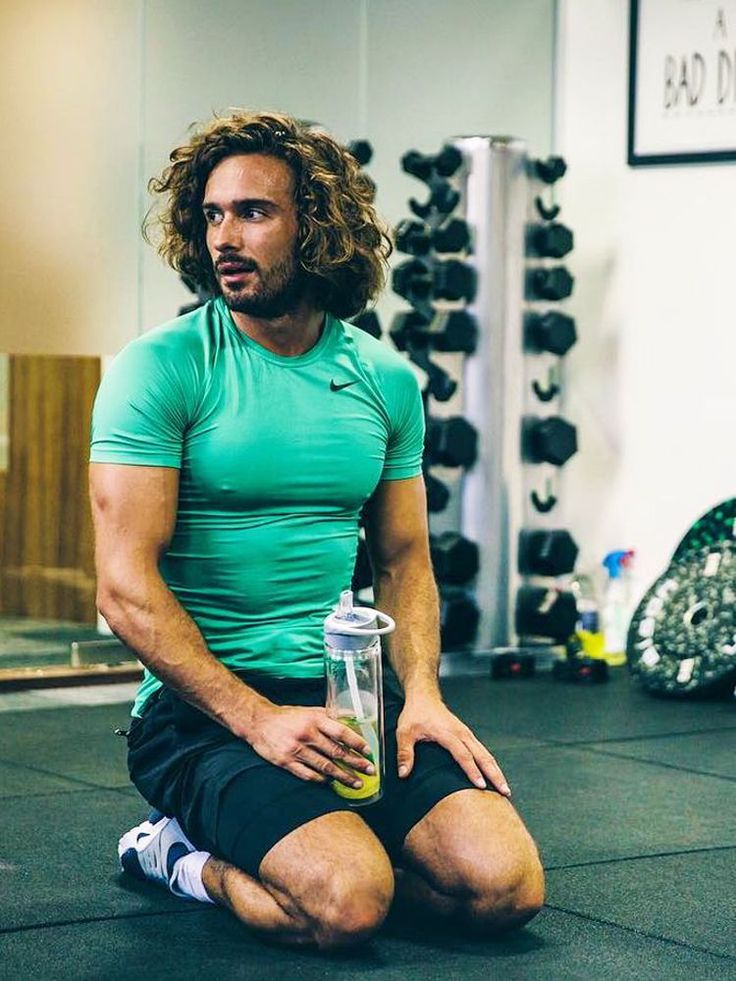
[(408, 593), (149, 618)]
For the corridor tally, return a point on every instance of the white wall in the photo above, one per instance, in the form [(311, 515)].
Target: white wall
[(651, 382)]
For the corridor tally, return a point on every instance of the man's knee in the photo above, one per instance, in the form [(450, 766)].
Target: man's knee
[(352, 909), (505, 897)]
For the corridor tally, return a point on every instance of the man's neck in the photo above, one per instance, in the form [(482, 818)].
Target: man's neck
[(291, 335)]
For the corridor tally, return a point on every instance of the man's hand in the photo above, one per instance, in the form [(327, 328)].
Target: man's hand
[(428, 720), (307, 743)]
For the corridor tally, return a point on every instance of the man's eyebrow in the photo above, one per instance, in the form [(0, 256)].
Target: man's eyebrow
[(241, 203)]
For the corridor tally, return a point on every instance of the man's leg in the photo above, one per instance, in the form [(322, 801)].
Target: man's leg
[(328, 882), (470, 858)]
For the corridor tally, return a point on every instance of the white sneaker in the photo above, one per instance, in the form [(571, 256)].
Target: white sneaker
[(150, 851)]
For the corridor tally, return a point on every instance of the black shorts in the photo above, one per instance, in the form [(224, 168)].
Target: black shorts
[(236, 805)]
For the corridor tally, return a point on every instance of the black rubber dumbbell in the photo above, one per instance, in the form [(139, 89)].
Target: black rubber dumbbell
[(454, 558), (550, 440), (369, 322), (413, 280), (456, 331), (452, 236), (443, 198), (554, 283), (550, 170), (451, 442), (422, 165), (513, 665), (552, 331), (552, 241), (361, 150), (438, 494), (546, 553), (548, 613), (459, 618), (453, 280), (362, 573)]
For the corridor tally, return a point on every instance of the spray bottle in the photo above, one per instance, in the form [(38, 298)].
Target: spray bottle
[(615, 612)]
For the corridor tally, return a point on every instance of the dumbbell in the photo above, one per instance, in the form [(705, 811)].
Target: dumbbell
[(361, 150), (554, 283), (418, 280), (459, 618), (546, 553), (423, 165), (363, 572), (369, 322), (551, 241), (443, 199), (451, 442), (550, 170), (549, 613), (552, 331), (417, 238), (455, 331), (454, 557), (550, 440), (438, 494)]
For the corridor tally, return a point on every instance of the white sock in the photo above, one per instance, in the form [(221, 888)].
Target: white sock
[(187, 876)]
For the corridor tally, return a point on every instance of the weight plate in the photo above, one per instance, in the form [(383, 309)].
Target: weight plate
[(715, 526), (682, 637)]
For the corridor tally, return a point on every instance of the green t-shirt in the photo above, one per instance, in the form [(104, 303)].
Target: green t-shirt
[(277, 456)]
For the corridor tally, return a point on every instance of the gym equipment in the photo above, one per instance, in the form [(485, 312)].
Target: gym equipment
[(361, 150), (438, 494), (715, 526), (451, 442), (551, 390), (551, 440), (510, 665), (454, 558), (422, 165), (546, 553), (456, 331), (545, 213), (552, 331), (552, 241), (576, 667), (417, 238), (549, 613), (369, 322), (443, 199), (550, 170), (554, 283), (682, 638), (419, 280), (459, 619)]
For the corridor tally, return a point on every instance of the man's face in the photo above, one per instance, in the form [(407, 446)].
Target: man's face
[(251, 236)]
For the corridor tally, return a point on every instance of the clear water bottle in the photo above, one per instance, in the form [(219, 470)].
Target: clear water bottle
[(354, 685)]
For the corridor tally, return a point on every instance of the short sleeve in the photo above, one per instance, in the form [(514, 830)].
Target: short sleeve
[(406, 440), (140, 413)]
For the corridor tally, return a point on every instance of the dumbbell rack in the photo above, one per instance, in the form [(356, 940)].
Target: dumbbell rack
[(508, 501)]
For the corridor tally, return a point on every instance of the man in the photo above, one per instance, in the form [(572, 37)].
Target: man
[(232, 451)]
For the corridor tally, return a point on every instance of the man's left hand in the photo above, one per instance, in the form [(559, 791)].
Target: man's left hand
[(428, 720)]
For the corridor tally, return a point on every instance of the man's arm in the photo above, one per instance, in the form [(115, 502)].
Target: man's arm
[(134, 511), (404, 587)]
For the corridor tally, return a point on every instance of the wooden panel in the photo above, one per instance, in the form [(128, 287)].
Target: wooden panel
[(46, 543)]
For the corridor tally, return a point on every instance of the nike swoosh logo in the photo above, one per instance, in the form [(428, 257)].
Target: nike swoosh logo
[(334, 387)]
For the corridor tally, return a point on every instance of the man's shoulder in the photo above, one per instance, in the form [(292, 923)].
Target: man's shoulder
[(188, 332), (378, 353)]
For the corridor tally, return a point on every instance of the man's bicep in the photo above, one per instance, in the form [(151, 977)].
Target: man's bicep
[(134, 512), (396, 522)]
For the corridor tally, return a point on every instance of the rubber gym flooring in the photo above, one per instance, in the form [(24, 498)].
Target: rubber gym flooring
[(631, 799)]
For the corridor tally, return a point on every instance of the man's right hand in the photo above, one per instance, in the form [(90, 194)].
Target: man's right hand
[(309, 744)]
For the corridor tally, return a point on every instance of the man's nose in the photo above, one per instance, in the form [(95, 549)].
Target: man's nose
[(225, 236)]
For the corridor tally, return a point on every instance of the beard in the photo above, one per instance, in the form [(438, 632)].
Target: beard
[(277, 292)]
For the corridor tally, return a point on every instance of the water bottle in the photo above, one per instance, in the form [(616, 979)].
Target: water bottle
[(354, 686)]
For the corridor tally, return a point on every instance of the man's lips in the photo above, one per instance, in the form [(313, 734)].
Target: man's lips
[(229, 270)]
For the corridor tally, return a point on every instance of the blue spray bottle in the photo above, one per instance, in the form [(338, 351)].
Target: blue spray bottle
[(615, 611)]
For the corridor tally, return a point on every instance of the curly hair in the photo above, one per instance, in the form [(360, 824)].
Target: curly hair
[(342, 245)]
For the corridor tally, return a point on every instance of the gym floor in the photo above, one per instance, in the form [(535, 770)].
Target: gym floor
[(631, 800)]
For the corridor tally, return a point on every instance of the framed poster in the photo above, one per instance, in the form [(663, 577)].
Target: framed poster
[(682, 81)]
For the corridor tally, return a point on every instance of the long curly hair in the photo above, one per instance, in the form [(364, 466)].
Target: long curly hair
[(342, 245)]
